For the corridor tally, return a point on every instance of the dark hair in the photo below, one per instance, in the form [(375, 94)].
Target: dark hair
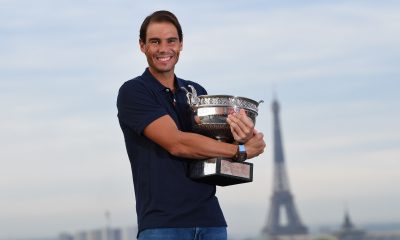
[(160, 16)]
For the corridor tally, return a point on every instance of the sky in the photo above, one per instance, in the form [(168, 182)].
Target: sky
[(332, 65)]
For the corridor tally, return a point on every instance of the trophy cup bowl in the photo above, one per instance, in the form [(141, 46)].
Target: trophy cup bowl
[(212, 112)]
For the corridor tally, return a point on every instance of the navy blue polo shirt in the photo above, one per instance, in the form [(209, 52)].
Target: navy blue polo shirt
[(165, 195)]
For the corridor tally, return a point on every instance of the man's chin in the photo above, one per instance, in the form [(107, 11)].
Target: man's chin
[(163, 69)]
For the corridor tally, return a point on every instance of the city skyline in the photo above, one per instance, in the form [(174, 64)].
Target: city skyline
[(333, 66)]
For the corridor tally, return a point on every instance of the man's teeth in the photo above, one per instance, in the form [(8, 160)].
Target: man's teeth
[(163, 58)]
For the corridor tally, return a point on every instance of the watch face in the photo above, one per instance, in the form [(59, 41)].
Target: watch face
[(242, 148)]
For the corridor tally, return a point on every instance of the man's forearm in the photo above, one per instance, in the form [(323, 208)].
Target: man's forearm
[(192, 145)]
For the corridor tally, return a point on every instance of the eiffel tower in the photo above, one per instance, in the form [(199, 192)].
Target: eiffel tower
[(281, 198)]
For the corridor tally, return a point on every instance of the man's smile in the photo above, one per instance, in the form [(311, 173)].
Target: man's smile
[(164, 58)]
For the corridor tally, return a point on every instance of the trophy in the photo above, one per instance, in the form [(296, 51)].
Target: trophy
[(212, 111)]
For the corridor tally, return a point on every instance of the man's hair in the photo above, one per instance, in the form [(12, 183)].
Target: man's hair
[(160, 16)]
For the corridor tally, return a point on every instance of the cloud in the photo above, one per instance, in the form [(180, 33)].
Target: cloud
[(335, 66)]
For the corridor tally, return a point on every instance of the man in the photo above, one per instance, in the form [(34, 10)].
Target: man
[(157, 122)]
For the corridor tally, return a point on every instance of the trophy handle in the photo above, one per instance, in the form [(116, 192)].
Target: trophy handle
[(192, 98), (259, 102)]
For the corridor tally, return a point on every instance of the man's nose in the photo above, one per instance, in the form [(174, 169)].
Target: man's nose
[(163, 46)]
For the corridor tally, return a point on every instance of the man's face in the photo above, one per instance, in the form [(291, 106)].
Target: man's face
[(162, 47)]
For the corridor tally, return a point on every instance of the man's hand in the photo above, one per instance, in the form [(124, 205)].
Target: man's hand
[(242, 127), (255, 145)]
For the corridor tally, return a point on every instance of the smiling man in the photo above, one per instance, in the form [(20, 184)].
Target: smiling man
[(157, 125)]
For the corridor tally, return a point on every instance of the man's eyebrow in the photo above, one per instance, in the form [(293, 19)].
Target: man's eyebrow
[(170, 38)]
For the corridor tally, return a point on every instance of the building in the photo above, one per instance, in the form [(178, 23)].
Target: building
[(107, 233), (282, 205), (349, 231)]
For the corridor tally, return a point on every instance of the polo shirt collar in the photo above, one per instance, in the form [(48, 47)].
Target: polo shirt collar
[(158, 86)]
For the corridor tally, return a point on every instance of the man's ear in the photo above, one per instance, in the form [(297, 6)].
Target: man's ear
[(142, 46), (181, 46)]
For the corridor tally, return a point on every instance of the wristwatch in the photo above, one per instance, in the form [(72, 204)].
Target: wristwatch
[(241, 154)]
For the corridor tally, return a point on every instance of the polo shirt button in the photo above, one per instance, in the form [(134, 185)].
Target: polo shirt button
[(167, 89)]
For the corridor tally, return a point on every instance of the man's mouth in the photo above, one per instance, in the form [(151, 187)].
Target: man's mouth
[(164, 58)]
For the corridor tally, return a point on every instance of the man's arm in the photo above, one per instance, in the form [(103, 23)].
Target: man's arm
[(165, 133)]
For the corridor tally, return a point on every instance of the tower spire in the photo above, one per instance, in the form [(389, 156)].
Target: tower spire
[(348, 230), (347, 223)]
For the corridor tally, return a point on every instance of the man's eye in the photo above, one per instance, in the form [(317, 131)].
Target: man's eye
[(153, 42), (172, 40)]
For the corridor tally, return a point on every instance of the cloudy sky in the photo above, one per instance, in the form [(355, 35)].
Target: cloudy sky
[(334, 66)]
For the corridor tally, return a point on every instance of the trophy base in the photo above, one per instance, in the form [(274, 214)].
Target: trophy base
[(221, 171)]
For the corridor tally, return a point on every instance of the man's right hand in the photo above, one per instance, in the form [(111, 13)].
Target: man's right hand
[(255, 145)]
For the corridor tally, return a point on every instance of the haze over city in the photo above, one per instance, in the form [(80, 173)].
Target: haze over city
[(332, 65)]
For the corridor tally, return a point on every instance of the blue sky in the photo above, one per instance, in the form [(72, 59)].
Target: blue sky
[(333, 65)]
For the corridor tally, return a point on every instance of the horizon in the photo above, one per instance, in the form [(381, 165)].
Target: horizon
[(316, 230)]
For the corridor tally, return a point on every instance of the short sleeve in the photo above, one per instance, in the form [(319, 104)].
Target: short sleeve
[(137, 106)]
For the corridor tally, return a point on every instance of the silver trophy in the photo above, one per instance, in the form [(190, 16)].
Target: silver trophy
[(212, 111)]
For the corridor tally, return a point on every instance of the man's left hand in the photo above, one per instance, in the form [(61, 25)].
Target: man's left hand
[(242, 127)]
